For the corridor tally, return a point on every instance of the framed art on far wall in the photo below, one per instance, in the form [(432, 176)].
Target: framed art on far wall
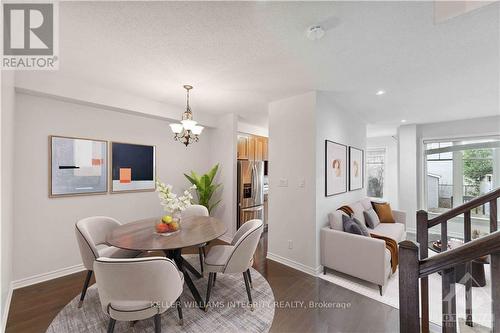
[(335, 168), (356, 169), (77, 166), (133, 167)]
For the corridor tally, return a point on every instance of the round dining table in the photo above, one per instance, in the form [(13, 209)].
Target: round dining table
[(141, 236)]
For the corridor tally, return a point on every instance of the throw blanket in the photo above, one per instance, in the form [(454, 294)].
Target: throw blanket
[(392, 246)]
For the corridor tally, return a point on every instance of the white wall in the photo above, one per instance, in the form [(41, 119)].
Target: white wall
[(298, 127), (390, 144), (408, 173), (45, 227), (342, 126), (244, 127), (7, 192), (223, 151), (292, 156)]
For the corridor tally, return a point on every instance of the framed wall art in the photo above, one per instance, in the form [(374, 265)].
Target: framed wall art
[(356, 169), (335, 168), (133, 167), (77, 166)]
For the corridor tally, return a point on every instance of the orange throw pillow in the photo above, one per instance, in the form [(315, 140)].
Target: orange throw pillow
[(384, 212)]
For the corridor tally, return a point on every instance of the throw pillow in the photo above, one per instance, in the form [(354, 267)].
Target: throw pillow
[(358, 210), (352, 226), (367, 203), (335, 219), (384, 212), (371, 218)]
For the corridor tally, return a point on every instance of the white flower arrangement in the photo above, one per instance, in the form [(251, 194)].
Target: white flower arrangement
[(170, 201)]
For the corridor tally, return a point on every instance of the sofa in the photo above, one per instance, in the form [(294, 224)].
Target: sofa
[(360, 256)]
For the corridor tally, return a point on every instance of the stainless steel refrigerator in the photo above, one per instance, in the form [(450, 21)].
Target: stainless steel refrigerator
[(250, 191)]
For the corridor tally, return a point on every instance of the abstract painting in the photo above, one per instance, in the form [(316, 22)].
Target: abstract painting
[(356, 169), (77, 166), (335, 168), (133, 167)]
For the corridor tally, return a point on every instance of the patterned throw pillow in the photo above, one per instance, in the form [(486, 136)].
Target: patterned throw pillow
[(371, 218)]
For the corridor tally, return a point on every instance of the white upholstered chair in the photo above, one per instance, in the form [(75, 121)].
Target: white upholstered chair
[(91, 236), (236, 257), (138, 288), (197, 210)]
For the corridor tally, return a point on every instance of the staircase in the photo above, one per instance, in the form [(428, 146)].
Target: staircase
[(415, 266)]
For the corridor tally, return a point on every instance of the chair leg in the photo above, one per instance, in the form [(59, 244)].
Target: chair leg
[(215, 277), (249, 292), (157, 320), (381, 290), (211, 276), (249, 278), (85, 286), (179, 311), (111, 326), (200, 253)]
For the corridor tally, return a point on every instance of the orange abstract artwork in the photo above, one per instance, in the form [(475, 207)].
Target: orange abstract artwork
[(97, 161), (125, 175)]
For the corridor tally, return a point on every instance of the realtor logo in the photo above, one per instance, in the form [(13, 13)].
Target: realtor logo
[(29, 36)]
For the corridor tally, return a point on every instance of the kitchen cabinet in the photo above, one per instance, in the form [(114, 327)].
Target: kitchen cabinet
[(243, 147), (252, 147)]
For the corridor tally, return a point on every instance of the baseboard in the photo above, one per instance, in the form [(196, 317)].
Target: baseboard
[(294, 264), (47, 276), (5, 315)]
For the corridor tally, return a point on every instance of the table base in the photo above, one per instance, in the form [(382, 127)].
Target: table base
[(183, 266)]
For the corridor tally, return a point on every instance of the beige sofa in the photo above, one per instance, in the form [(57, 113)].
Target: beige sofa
[(356, 255)]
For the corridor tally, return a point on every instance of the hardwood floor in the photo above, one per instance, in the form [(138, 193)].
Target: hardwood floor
[(33, 308)]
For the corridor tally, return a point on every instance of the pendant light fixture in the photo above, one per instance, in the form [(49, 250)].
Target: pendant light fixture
[(187, 131)]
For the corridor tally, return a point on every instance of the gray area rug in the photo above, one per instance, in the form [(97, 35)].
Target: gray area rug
[(229, 311)]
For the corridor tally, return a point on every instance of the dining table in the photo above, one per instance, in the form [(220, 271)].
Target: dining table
[(142, 236)]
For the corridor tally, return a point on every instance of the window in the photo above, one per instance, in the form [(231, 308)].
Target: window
[(375, 167), (458, 171)]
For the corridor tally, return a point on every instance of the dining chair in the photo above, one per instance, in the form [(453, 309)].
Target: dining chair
[(197, 210), (91, 236), (236, 257), (138, 288)]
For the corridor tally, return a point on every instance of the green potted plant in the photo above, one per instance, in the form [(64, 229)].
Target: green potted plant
[(205, 187)]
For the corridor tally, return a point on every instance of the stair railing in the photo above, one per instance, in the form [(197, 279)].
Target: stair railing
[(414, 265)]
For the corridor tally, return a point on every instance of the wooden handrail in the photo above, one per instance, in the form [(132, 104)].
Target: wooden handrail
[(475, 249), (479, 201)]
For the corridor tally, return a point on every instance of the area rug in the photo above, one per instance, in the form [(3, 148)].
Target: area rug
[(481, 297), (229, 311)]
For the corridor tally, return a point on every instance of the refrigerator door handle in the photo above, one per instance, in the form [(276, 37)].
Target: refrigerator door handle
[(253, 209), (254, 180)]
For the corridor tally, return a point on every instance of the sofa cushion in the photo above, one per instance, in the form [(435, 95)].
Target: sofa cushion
[(335, 220), (352, 226), (384, 212), (395, 231), (371, 218), (358, 210), (367, 203)]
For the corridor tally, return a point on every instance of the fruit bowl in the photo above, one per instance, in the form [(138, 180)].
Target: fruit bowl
[(167, 226)]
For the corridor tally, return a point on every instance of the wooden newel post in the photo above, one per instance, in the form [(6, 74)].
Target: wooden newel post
[(423, 240), (409, 321)]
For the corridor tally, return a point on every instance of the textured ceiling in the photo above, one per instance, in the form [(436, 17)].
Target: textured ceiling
[(240, 55)]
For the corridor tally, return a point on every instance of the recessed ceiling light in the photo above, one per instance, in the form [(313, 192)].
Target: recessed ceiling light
[(315, 32), (380, 92), (403, 120)]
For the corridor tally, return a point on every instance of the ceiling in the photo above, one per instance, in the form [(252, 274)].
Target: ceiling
[(239, 56)]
